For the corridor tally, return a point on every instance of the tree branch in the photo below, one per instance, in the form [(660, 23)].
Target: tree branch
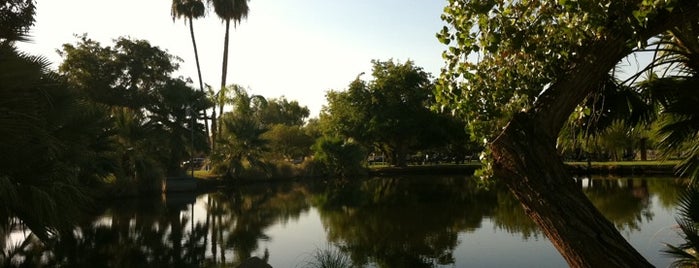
[(555, 104)]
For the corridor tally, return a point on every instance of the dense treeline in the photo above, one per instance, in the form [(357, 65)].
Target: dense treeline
[(114, 119)]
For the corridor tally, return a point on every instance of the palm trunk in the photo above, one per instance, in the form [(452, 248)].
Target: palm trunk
[(224, 71), (643, 149), (526, 160), (214, 133), (216, 126), (201, 83), (222, 102)]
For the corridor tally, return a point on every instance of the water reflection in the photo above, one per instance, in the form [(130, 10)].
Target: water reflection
[(387, 222), (403, 223), (625, 202)]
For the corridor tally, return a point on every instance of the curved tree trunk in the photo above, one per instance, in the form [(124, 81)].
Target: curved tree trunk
[(526, 160), (201, 83)]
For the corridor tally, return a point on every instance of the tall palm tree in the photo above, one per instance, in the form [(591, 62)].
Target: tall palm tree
[(190, 10), (227, 10)]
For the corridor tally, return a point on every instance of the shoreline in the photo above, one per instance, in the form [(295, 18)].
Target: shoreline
[(212, 183), (576, 168), (468, 169)]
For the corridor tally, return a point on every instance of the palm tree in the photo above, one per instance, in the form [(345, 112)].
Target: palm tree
[(228, 10), (51, 142), (676, 92), (613, 109), (224, 97), (241, 140), (190, 10)]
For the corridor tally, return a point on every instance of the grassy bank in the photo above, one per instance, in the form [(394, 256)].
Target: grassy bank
[(579, 168), (624, 167), (627, 163), (445, 169)]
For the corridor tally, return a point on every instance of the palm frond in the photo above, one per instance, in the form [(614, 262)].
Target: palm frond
[(193, 9), (611, 104), (689, 166), (683, 258), (675, 131), (688, 205), (686, 253), (235, 10)]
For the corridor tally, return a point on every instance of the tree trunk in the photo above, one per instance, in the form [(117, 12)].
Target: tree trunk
[(401, 152), (224, 70), (214, 133), (215, 127), (201, 83), (526, 160)]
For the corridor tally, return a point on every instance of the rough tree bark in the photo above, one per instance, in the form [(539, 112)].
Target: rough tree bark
[(526, 160)]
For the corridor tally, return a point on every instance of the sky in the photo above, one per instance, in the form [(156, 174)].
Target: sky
[(299, 49)]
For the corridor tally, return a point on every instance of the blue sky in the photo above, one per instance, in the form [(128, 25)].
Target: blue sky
[(294, 48)]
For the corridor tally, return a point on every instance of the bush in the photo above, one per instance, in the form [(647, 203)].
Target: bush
[(337, 157)]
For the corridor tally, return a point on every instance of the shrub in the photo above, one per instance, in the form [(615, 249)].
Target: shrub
[(338, 157)]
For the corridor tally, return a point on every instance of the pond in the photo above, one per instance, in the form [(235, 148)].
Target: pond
[(425, 221)]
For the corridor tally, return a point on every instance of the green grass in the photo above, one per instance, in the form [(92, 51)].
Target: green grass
[(629, 163), (204, 174)]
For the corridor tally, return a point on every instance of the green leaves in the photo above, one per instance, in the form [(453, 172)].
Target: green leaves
[(120, 75), (339, 157), (443, 36), (52, 144), (500, 55), (15, 19)]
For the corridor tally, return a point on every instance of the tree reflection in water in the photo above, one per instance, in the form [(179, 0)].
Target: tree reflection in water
[(402, 222), (384, 222)]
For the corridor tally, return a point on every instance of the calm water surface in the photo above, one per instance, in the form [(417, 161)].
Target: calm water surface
[(387, 222)]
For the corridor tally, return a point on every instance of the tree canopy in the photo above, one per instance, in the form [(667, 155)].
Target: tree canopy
[(155, 114), (391, 113), (503, 55), (16, 17)]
